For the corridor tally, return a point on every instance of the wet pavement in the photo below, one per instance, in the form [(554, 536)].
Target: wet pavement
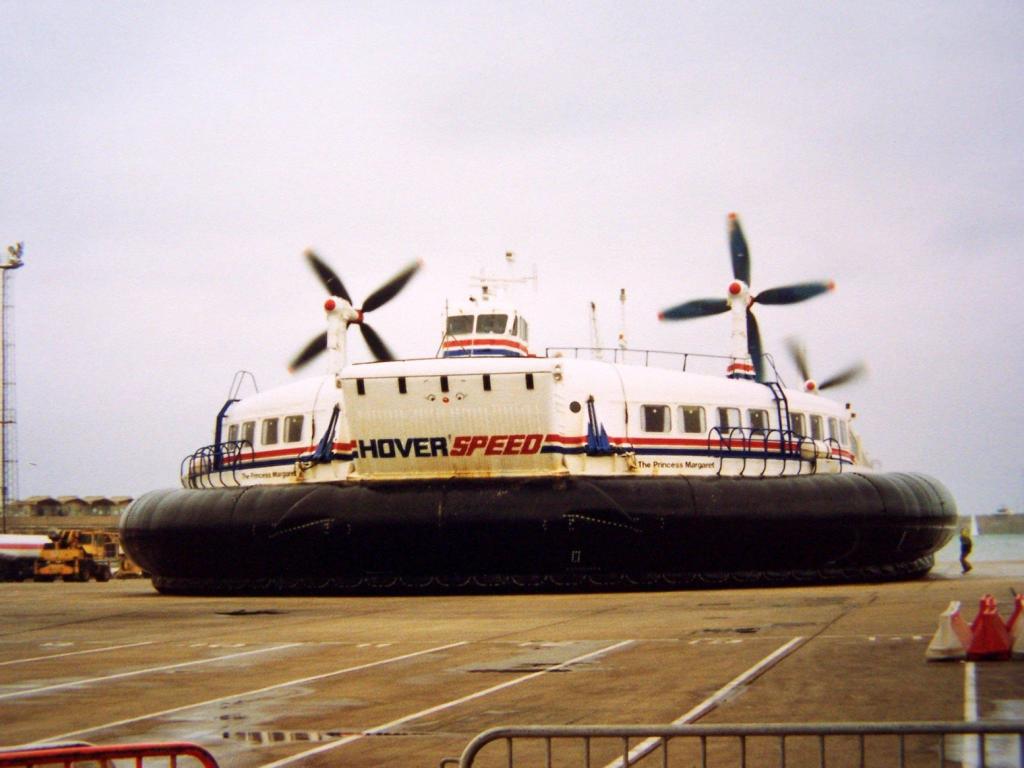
[(365, 681)]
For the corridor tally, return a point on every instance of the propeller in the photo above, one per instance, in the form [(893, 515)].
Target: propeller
[(799, 355), (739, 290), (341, 301)]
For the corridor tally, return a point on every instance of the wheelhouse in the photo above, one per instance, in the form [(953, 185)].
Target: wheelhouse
[(488, 332)]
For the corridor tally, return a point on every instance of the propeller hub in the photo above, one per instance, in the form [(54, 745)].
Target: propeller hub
[(329, 305), (735, 288), (811, 385)]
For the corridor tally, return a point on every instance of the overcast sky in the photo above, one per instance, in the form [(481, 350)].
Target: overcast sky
[(167, 163)]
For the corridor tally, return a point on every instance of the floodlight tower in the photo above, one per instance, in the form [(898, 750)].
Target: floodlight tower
[(8, 457)]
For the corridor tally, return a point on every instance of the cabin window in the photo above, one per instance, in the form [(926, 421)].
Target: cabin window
[(833, 428), (491, 323), (401, 385), (758, 420), (460, 324), (232, 433), (524, 332), (817, 430), (292, 429), (268, 433), (655, 418), (249, 432), (691, 418), (844, 433), (487, 382), (727, 419), (799, 425)]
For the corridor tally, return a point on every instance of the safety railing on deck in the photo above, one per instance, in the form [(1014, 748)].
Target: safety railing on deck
[(823, 745), (219, 460), (746, 444), (657, 358), (175, 754)]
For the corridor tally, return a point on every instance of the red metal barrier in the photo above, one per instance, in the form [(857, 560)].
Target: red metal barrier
[(69, 756)]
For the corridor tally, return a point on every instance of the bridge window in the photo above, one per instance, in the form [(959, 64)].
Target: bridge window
[(655, 418), (491, 323), (758, 420), (691, 418), (518, 327), (833, 428), (232, 433), (249, 432), (524, 331), (844, 433), (460, 324), (799, 424), (727, 419), (817, 429), (292, 429), (268, 433)]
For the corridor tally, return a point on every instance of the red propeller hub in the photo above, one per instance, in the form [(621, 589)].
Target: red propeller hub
[(735, 288), (811, 385), (329, 305)]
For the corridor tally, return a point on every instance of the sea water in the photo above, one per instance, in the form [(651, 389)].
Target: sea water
[(988, 548)]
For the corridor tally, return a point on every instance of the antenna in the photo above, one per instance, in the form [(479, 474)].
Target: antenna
[(595, 335), (8, 452), (622, 318), (487, 284)]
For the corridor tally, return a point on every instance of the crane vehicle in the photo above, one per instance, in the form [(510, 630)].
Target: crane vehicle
[(492, 466), (79, 555)]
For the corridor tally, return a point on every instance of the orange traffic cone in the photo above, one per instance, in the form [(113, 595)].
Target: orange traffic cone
[(990, 640), (1013, 625), (986, 602)]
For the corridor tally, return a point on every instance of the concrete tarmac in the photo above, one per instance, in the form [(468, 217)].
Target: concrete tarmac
[(407, 681)]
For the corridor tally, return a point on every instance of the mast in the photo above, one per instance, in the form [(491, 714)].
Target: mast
[(8, 456)]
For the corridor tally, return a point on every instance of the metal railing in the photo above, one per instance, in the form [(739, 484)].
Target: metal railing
[(199, 468), (861, 745), (659, 358), (137, 755)]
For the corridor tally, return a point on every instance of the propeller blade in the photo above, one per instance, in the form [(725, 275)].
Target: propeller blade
[(791, 294), (314, 348), (377, 346), (390, 289), (850, 374), (799, 355), (738, 249), (754, 345), (695, 308), (330, 280)]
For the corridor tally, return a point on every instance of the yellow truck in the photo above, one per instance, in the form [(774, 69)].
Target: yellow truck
[(79, 555)]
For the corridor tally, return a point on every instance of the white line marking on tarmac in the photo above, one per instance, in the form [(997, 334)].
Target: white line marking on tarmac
[(647, 746), (969, 743), (254, 692), (446, 705), (74, 653), (146, 671)]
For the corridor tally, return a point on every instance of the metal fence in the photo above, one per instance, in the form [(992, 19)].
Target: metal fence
[(837, 745), (176, 754)]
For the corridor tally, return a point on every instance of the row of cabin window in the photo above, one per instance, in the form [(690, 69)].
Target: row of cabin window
[(691, 419), (462, 324), (270, 432)]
